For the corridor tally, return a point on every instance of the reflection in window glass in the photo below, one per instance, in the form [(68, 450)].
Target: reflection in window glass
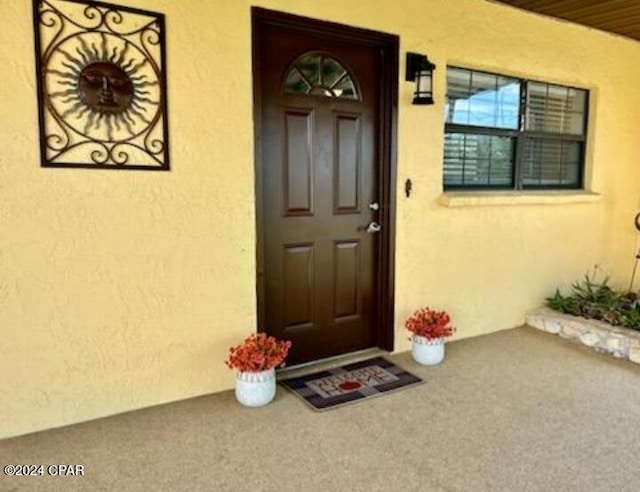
[(504, 132), (318, 74), (332, 71), (296, 82), (556, 109), (345, 88), (482, 99), (478, 160), (549, 162), (309, 67)]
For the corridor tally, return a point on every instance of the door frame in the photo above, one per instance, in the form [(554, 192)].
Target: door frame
[(386, 169)]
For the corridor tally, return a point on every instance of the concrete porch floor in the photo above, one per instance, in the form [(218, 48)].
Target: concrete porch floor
[(514, 410)]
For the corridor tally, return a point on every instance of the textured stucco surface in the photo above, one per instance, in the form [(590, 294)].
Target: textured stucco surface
[(120, 290)]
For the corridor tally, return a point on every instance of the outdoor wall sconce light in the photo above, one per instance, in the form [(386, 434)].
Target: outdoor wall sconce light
[(420, 70)]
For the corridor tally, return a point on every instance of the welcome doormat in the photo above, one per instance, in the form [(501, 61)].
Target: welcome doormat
[(342, 385)]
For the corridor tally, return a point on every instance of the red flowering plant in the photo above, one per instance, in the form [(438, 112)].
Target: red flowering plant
[(429, 323), (258, 352)]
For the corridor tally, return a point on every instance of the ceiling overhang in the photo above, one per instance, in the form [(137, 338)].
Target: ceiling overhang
[(615, 16)]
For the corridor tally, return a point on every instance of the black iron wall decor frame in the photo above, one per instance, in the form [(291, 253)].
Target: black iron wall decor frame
[(102, 91)]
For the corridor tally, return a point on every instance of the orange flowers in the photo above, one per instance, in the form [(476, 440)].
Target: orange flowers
[(258, 352), (429, 323)]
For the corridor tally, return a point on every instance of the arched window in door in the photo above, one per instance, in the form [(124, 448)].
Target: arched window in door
[(320, 74)]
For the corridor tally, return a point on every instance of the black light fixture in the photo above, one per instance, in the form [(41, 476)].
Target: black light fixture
[(420, 70)]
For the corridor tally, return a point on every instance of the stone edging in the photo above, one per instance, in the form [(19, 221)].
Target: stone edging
[(620, 342)]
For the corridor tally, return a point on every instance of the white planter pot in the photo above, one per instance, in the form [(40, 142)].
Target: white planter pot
[(256, 389), (427, 352)]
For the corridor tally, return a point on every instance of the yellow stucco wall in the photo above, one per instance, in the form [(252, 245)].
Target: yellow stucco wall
[(120, 290)]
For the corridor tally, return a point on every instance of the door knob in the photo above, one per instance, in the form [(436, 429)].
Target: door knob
[(373, 227), (374, 206)]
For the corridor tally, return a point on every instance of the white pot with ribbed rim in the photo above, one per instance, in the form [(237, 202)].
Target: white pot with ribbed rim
[(256, 389), (428, 352)]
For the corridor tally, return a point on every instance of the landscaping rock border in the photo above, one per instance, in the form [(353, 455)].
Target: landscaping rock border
[(620, 342)]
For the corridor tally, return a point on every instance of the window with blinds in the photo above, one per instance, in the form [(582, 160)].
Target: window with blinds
[(507, 133)]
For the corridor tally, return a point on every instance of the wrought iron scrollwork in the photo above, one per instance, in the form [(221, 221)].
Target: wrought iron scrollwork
[(102, 85)]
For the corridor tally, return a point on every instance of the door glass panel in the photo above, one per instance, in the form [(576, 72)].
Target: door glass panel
[(320, 91), (320, 74), (345, 89), (295, 82), (332, 71), (309, 66)]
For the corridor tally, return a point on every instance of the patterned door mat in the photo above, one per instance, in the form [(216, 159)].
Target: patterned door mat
[(342, 385)]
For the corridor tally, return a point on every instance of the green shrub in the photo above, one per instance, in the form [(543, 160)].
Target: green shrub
[(596, 300)]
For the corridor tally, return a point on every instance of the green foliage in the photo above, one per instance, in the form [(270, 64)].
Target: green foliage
[(564, 304), (597, 300)]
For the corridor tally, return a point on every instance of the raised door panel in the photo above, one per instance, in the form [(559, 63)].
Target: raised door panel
[(298, 164), (346, 275), (298, 278), (347, 163)]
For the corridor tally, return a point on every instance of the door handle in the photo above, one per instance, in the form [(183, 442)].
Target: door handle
[(373, 227)]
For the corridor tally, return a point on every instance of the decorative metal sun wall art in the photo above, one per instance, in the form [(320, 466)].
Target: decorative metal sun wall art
[(101, 85)]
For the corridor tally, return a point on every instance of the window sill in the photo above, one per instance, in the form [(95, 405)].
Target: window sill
[(551, 197)]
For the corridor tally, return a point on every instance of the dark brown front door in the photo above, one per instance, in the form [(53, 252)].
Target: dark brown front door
[(320, 218)]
